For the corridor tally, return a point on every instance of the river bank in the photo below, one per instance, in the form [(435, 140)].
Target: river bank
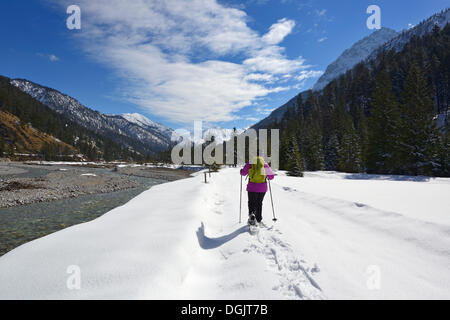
[(38, 200)]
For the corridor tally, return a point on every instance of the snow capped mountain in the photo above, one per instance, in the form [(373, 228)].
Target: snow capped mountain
[(145, 122), (134, 131), (397, 43), (139, 119), (352, 56), (347, 60), (364, 50)]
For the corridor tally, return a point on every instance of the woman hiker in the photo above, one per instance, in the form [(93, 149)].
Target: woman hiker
[(258, 173)]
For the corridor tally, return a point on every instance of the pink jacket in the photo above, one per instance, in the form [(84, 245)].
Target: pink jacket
[(257, 187)]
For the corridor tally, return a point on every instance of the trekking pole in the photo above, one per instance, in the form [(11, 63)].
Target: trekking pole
[(240, 202), (271, 199)]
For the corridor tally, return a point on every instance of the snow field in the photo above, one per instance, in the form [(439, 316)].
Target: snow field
[(182, 240)]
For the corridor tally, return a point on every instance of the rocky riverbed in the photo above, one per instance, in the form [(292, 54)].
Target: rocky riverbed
[(59, 184), (62, 181), (154, 172)]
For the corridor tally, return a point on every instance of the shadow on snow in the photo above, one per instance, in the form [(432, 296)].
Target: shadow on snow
[(212, 243)]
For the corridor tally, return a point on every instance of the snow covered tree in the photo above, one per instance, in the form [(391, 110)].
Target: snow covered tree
[(362, 128), (419, 132), (295, 163), (313, 149), (443, 168), (284, 151), (349, 155), (331, 153), (383, 150)]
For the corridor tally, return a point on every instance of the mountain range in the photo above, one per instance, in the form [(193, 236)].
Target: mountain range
[(134, 131), (143, 136)]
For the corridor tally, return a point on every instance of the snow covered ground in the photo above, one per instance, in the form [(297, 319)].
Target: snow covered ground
[(338, 236)]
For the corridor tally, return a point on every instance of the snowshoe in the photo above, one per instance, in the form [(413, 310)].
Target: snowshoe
[(252, 220)]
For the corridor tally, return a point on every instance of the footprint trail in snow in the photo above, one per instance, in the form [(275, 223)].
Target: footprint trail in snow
[(295, 276)]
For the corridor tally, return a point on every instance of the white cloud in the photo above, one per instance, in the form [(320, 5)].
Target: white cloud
[(279, 31), (272, 60), (322, 39), (174, 56), (266, 77)]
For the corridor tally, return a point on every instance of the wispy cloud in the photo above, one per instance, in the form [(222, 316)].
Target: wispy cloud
[(264, 110), (51, 57), (308, 74), (257, 2), (188, 60), (322, 39), (321, 13)]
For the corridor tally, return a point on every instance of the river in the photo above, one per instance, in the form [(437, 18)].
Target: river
[(22, 224)]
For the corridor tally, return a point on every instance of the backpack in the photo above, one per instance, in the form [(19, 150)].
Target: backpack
[(257, 172)]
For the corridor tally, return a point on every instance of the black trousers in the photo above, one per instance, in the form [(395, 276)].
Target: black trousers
[(255, 202)]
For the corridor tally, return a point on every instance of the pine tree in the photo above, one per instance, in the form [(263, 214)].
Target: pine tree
[(283, 151), (349, 155), (313, 150), (331, 153), (419, 132), (383, 149), (363, 133), (300, 109), (444, 153), (295, 163)]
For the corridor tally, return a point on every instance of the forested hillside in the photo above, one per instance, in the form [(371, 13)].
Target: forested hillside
[(27, 139), (388, 115), (34, 114)]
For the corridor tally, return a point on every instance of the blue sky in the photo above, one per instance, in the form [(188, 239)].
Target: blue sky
[(225, 62)]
